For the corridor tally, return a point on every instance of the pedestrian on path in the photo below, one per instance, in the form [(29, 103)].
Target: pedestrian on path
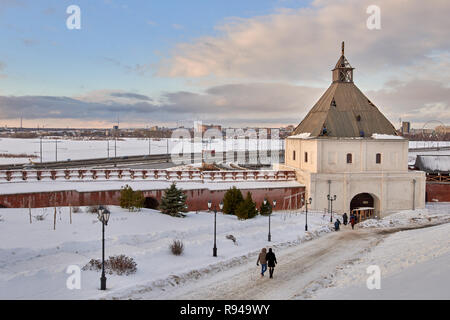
[(345, 218), (336, 225), (262, 259), (271, 262), (352, 220)]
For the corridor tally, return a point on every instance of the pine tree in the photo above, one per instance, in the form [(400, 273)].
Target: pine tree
[(138, 200), (247, 208), (131, 200), (232, 199), (265, 209), (126, 197), (173, 202)]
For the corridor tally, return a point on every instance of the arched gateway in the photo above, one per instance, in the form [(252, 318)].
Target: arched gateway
[(363, 206)]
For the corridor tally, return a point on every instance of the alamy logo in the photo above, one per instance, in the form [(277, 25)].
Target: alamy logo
[(74, 20), (74, 280), (374, 20), (374, 280)]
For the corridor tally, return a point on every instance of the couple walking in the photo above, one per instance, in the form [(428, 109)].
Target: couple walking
[(267, 259)]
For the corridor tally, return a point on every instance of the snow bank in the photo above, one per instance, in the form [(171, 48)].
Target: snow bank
[(413, 264), (433, 213)]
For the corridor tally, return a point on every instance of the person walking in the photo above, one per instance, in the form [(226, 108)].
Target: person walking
[(336, 225), (271, 262), (262, 259), (345, 218), (352, 220)]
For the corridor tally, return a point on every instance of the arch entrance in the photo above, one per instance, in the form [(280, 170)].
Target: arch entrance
[(363, 206)]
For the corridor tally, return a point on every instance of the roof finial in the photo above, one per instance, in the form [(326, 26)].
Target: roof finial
[(342, 47)]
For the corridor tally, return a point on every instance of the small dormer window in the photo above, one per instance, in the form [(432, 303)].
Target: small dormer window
[(358, 118), (333, 103)]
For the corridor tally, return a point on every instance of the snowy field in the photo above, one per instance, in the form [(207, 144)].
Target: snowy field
[(88, 149), (34, 257)]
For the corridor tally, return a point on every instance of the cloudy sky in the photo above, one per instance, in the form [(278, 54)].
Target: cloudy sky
[(234, 62)]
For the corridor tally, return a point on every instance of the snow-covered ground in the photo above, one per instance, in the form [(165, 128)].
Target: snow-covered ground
[(412, 249), (414, 264), (34, 257), (88, 149)]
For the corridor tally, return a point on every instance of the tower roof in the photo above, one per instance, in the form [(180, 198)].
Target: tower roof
[(343, 110)]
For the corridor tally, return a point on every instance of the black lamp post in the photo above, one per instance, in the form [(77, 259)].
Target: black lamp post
[(306, 204), (103, 216), (331, 199), (215, 224)]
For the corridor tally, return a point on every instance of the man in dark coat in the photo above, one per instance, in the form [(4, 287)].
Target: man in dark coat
[(271, 261), (345, 218), (336, 225)]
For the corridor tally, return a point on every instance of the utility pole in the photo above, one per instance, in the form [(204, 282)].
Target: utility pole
[(56, 150), (108, 148), (149, 146), (167, 146), (40, 147), (115, 151)]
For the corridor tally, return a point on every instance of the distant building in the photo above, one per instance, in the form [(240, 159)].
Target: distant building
[(406, 126), (442, 129), (204, 127)]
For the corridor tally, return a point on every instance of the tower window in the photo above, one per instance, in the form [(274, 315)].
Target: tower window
[(349, 158), (293, 155), (378, 158), (306, 156)]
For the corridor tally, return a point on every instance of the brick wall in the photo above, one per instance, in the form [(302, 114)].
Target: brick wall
[(196, 199), (438, 191)]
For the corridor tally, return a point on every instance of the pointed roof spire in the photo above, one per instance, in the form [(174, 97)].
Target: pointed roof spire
[(343, 71), (344, 110)]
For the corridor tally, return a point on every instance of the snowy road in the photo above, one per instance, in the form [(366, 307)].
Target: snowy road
[(298, 267), (312, 267)]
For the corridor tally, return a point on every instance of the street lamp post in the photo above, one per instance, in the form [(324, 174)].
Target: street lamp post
[(331, 199), (306, 204), (215, 224), (103, 216), (40, 147)]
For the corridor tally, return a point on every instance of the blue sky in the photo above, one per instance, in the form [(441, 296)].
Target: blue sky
[(252, 62), (116, 36)]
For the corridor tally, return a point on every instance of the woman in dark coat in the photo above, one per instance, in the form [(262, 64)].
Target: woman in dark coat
[(271, 262)]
